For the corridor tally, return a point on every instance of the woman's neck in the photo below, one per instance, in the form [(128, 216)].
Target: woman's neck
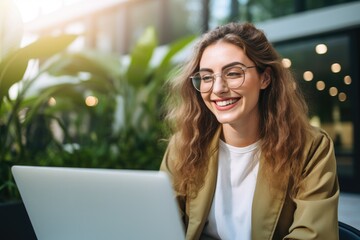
[(240, 136)]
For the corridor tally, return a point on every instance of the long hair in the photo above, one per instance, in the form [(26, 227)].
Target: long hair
[(283, 113)]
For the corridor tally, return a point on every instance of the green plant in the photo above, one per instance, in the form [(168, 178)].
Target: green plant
[(14, 122), (122, 131), (125, 128)]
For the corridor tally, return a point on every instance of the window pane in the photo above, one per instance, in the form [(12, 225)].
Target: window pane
[(322, 68)]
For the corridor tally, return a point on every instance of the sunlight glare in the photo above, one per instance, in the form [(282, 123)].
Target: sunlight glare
[(32, 9)]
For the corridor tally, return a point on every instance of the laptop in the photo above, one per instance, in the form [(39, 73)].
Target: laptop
[(85, 204)]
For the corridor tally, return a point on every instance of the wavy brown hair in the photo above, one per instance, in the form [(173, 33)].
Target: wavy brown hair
[(283, 113)]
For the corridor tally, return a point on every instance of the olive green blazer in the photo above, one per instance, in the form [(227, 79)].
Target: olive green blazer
[(311, 214)]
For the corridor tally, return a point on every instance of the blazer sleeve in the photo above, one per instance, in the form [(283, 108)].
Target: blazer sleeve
[(316, 214), (167, 165)]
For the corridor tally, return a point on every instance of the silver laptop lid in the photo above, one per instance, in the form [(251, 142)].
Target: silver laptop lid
[(74, 203)]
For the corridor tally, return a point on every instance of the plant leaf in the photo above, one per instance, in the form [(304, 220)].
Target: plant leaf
[(13, 67), (140, 58), (91, 62), (174, 48), (165, 65)]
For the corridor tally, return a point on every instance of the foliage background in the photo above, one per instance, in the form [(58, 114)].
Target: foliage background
[(124, 130)]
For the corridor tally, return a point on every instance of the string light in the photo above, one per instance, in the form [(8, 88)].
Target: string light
[(321, 49), (342, 97), (308, 76), (320, 85), (286, 62), (335, 67), (91, 101), (333, 91), (347, 80)]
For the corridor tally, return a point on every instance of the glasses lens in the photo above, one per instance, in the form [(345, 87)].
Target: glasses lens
[(202, 81), (234, 76)]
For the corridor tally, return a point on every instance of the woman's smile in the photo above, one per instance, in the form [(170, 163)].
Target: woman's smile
[(226, 104)]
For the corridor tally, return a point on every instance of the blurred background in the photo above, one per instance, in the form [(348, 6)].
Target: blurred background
[(81, 81)]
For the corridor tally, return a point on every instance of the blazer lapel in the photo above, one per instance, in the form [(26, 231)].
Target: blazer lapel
[(267, 205), (199, 207)]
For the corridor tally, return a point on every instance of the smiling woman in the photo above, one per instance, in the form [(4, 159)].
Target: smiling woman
[(245, 162)]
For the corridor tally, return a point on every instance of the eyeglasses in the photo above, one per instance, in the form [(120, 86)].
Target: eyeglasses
[(234, 76)]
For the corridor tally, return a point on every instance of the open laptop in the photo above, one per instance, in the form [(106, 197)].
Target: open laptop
[(86, 204)]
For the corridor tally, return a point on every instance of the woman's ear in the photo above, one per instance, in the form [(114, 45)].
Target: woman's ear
[(266, 78)]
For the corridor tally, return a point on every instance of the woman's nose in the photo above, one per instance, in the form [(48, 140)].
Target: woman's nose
[(220, 85)]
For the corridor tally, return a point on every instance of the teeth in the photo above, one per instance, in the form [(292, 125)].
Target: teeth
[(226, 102)]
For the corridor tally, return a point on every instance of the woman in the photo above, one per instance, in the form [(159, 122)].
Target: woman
[(244, 160)]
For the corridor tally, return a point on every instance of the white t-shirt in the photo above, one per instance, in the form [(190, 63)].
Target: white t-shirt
[(230, 214)]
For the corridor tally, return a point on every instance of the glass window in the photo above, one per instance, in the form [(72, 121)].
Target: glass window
[(261, 10), (185, 17), (78, 28), (322, 68), (141, 16), (105, 32)]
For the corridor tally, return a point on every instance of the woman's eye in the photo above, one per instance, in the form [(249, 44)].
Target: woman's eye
[(206, 78), (234, 74)]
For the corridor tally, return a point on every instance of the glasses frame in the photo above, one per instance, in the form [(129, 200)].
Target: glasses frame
[(220, 74)]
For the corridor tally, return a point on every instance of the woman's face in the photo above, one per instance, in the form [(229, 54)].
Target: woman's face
[(235, 106)]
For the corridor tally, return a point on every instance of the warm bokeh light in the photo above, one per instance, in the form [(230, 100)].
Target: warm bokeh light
[(347, 80), (342, 97), (52, 101), (333, 91), (286, 62), (321, 49), (308, 76), (335, 67), (320, 85), (91, 101)]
